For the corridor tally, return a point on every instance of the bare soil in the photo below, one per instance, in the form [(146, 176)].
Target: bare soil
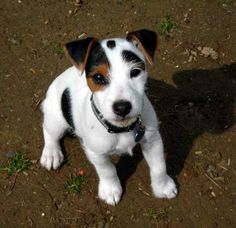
[(192, 91)]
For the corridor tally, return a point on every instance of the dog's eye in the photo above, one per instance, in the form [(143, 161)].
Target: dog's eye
[(99, 79), (134, 73)]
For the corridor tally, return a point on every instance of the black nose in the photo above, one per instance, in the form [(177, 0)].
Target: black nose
[(122, 108)]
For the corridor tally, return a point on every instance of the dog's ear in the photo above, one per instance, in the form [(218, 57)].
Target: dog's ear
[(146, 41), (78, 51)]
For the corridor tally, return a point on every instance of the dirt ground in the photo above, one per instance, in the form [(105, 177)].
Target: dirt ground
[(192, 88)]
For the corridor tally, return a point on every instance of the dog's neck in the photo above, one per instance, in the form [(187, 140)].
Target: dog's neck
[(136, 126)]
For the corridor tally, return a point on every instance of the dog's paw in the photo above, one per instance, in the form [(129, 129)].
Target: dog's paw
[(165, 188), (110, 191), (52, 157)]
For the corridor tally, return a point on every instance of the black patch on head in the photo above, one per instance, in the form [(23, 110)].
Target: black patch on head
[(97, 57), (129, 56), (66, 107), (111, 44)]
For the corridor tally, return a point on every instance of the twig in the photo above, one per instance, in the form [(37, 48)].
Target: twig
[(12, 187), (221, 166), (234, 171), (38, 103), (212, 180), (144, 192)]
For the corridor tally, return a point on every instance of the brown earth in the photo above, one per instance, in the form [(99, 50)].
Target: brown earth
[(194, 95)]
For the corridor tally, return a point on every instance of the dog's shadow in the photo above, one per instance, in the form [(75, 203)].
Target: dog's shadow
[(200, 101)]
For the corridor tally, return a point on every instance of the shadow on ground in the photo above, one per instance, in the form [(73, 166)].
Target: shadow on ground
[(201, 101)]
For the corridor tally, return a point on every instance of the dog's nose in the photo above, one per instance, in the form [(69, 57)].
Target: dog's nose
[(122, 108)]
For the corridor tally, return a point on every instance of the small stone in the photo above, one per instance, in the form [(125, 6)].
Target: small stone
[(45, 42), (34, 161), (108, 212), (12, 40), (10, 154), (198, 152), (82, 35), (213, 194), (209, 52)]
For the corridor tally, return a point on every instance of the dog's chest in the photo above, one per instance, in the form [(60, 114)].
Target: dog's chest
[(125, 144)]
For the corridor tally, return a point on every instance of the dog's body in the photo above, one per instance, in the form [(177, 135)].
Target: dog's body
[(102, 100)]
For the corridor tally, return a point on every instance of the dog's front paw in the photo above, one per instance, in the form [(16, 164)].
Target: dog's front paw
[(52, 157), (165, 188), (110, 191)]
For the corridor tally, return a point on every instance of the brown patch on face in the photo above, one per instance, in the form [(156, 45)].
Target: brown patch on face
[(102, 70)]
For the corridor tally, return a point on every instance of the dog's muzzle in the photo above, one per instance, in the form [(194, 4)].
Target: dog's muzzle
[(137, 126), (122, 108)]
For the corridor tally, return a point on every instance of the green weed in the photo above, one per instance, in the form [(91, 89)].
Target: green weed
[(75, 183), (158, 216), (57, 48), (18, 163), (166, 26)]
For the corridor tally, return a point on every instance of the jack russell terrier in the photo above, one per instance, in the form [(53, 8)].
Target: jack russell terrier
[(101, 98)]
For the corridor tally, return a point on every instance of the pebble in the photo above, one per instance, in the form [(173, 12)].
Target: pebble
[(198, 152), (10, 154), (12, 40)]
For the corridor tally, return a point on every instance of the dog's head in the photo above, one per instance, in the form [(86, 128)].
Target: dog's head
[(116, 72)]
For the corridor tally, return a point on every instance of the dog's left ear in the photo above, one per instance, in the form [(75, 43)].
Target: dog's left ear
[(146, 41), (78, 51)]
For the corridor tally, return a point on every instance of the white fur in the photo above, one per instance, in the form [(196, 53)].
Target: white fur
[(98, 143)]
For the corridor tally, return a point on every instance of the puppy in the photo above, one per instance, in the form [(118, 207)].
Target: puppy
[(101, 98)]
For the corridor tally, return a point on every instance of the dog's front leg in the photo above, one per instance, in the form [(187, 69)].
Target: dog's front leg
[(109, 188), (162, 185)]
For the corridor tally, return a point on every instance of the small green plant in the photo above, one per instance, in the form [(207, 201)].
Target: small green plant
[(18, 163), (158, 216), (75, 183), (57, 48), (166, 26)]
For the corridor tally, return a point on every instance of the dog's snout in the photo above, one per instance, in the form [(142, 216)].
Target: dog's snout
[(122, 107)]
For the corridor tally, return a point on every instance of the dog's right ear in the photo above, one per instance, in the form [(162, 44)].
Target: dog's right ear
[(78, 51)]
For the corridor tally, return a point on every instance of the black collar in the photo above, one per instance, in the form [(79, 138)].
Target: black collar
[(136, 126)]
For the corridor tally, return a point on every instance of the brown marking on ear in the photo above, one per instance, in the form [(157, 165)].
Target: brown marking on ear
[(139, 45), (102, 69), (87, 54), (70, 58), (78, 52), (146, 42)]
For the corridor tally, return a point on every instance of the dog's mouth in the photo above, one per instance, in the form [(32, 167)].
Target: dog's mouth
[(115, 124), (123, 122)]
